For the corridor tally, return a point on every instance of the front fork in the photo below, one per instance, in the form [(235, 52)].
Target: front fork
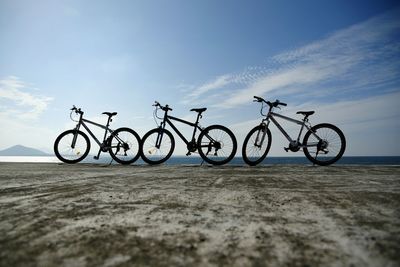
[(160, 135), (263, 129), (75, 135)]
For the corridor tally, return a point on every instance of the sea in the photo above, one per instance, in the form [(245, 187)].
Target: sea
[(194, 160)]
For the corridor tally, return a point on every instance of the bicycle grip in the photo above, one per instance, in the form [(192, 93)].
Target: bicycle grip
[(258, 99), (277, 102)]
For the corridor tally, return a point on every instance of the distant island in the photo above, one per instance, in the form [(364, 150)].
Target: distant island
[(20, 150)]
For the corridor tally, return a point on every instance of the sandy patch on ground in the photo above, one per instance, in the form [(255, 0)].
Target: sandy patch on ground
[(90, 215)]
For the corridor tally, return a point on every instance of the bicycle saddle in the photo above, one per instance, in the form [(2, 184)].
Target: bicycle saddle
[(110, 114), (305, 113), (200, 110)]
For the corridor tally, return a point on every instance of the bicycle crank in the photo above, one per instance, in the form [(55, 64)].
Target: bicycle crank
[(294, 146)]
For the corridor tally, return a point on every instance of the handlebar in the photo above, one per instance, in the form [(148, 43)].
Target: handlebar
[(271, 105), (259, 99), (164, 108), (77, 110), (274, 104)]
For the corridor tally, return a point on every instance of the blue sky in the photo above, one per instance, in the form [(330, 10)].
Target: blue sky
[(339, 58)]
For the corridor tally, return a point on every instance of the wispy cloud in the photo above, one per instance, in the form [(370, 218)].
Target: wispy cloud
[(20, 102), (218, 83), (353, 61)]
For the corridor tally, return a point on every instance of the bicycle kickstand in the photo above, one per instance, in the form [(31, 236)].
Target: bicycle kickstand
[(98, 155)]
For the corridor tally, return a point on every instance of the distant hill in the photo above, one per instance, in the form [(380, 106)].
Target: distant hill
[(19, 150)]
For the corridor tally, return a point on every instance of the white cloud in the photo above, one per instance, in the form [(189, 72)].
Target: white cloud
[(298, 76), (218, 83), (24, 105), (361, 58), (20, 110)]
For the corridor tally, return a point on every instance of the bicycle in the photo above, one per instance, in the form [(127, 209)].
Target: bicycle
[(72, 146), (216, 144), (323, 144)]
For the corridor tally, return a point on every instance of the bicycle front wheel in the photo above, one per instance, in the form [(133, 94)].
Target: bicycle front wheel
[(256, 145), (217, 145), (157, 146), (72, 146), (124, 146), (324, 144)]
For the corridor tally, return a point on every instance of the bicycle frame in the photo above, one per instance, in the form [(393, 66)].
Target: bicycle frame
[(167, 119), (270, 117), (106, 128)]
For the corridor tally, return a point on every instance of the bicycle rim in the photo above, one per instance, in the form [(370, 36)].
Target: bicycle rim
[(125, 146), (329, 136), (64, 150), (153, 154), (217, 145), (256, 146)]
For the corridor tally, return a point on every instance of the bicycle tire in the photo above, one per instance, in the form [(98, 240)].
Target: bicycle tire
[(61, 155), (149, 150), (246, 155), (218, 137), (134, 144), (331, 143)]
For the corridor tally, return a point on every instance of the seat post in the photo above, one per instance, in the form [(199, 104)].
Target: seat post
[(198, 117), (108, 121)]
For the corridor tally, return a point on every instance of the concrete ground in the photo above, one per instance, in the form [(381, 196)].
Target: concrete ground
[(92, 215)]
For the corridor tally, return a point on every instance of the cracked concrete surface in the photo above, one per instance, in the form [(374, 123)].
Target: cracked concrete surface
[(282, 215)]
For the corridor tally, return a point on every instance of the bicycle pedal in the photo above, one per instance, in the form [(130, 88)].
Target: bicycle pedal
[(96, 157), (188, 154), (286, 149)]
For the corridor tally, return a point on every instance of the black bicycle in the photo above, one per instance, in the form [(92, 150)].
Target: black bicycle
[(216, 144), (323, 144), (72, 146)]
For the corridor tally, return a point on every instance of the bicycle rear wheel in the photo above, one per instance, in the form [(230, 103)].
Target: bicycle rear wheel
[(324, 144), (256, 145), (157, 146), (125, 146), (217, 145), (69, 153)]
